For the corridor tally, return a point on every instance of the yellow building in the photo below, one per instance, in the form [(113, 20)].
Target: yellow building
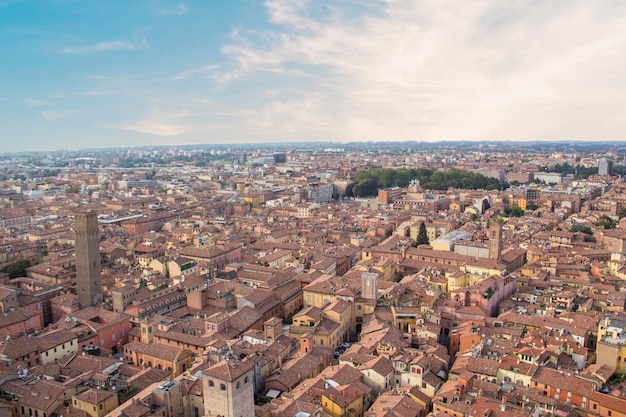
[(346, 400), (611, 345), (96, 403), (329, 326), (386, 268), (56, 345), (606, 405), (8, 298), (194, 400)]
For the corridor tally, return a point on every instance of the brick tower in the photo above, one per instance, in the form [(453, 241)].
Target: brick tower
[(495, 240), (87, 259)]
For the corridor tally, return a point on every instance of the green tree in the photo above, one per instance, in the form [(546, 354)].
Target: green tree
[(577, 227), (606, 222), (422, 235), (513, 212), (349, 189), (17, 268), (387, 177), (403, 177), (365, 188)]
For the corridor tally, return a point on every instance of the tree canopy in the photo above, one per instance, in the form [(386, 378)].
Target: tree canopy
[(368, 182), (577, 227), (422, 235), (17, 268), (606, 222)]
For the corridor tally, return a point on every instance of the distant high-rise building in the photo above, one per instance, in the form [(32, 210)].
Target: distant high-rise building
[(604, 166), (280, 157), (88, 278), (319, 192)]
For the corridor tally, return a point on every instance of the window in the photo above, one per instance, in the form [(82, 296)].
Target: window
[(211, 383), (237, 384), (222, 387), (245, 380)]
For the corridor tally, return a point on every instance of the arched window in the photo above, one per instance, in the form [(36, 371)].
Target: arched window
[(222, 387), (211, 383)]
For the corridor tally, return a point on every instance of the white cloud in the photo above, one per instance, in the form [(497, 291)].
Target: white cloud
[(175, 10), (153, 128), (158, 123), (407, 69), (34, 102), (107, 46), (54, 115), (187, 73)]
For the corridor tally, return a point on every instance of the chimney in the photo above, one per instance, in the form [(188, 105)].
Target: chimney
[(503, 405)]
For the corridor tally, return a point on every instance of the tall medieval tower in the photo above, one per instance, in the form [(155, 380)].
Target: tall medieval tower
[(369, 285), (228, 388), (495, 240), (87, 259)]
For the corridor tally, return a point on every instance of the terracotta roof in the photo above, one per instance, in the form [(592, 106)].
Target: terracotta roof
[(93, 396), (229, 370)]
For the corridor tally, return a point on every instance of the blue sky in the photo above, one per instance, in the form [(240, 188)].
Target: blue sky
[(83, 73)]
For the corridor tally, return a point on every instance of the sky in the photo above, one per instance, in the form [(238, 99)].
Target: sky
[(83, 73)]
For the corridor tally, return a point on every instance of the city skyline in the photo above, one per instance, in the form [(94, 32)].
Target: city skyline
[(158, 73)]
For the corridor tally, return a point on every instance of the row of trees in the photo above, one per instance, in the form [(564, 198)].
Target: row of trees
[(580, 172), (368, 182)]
